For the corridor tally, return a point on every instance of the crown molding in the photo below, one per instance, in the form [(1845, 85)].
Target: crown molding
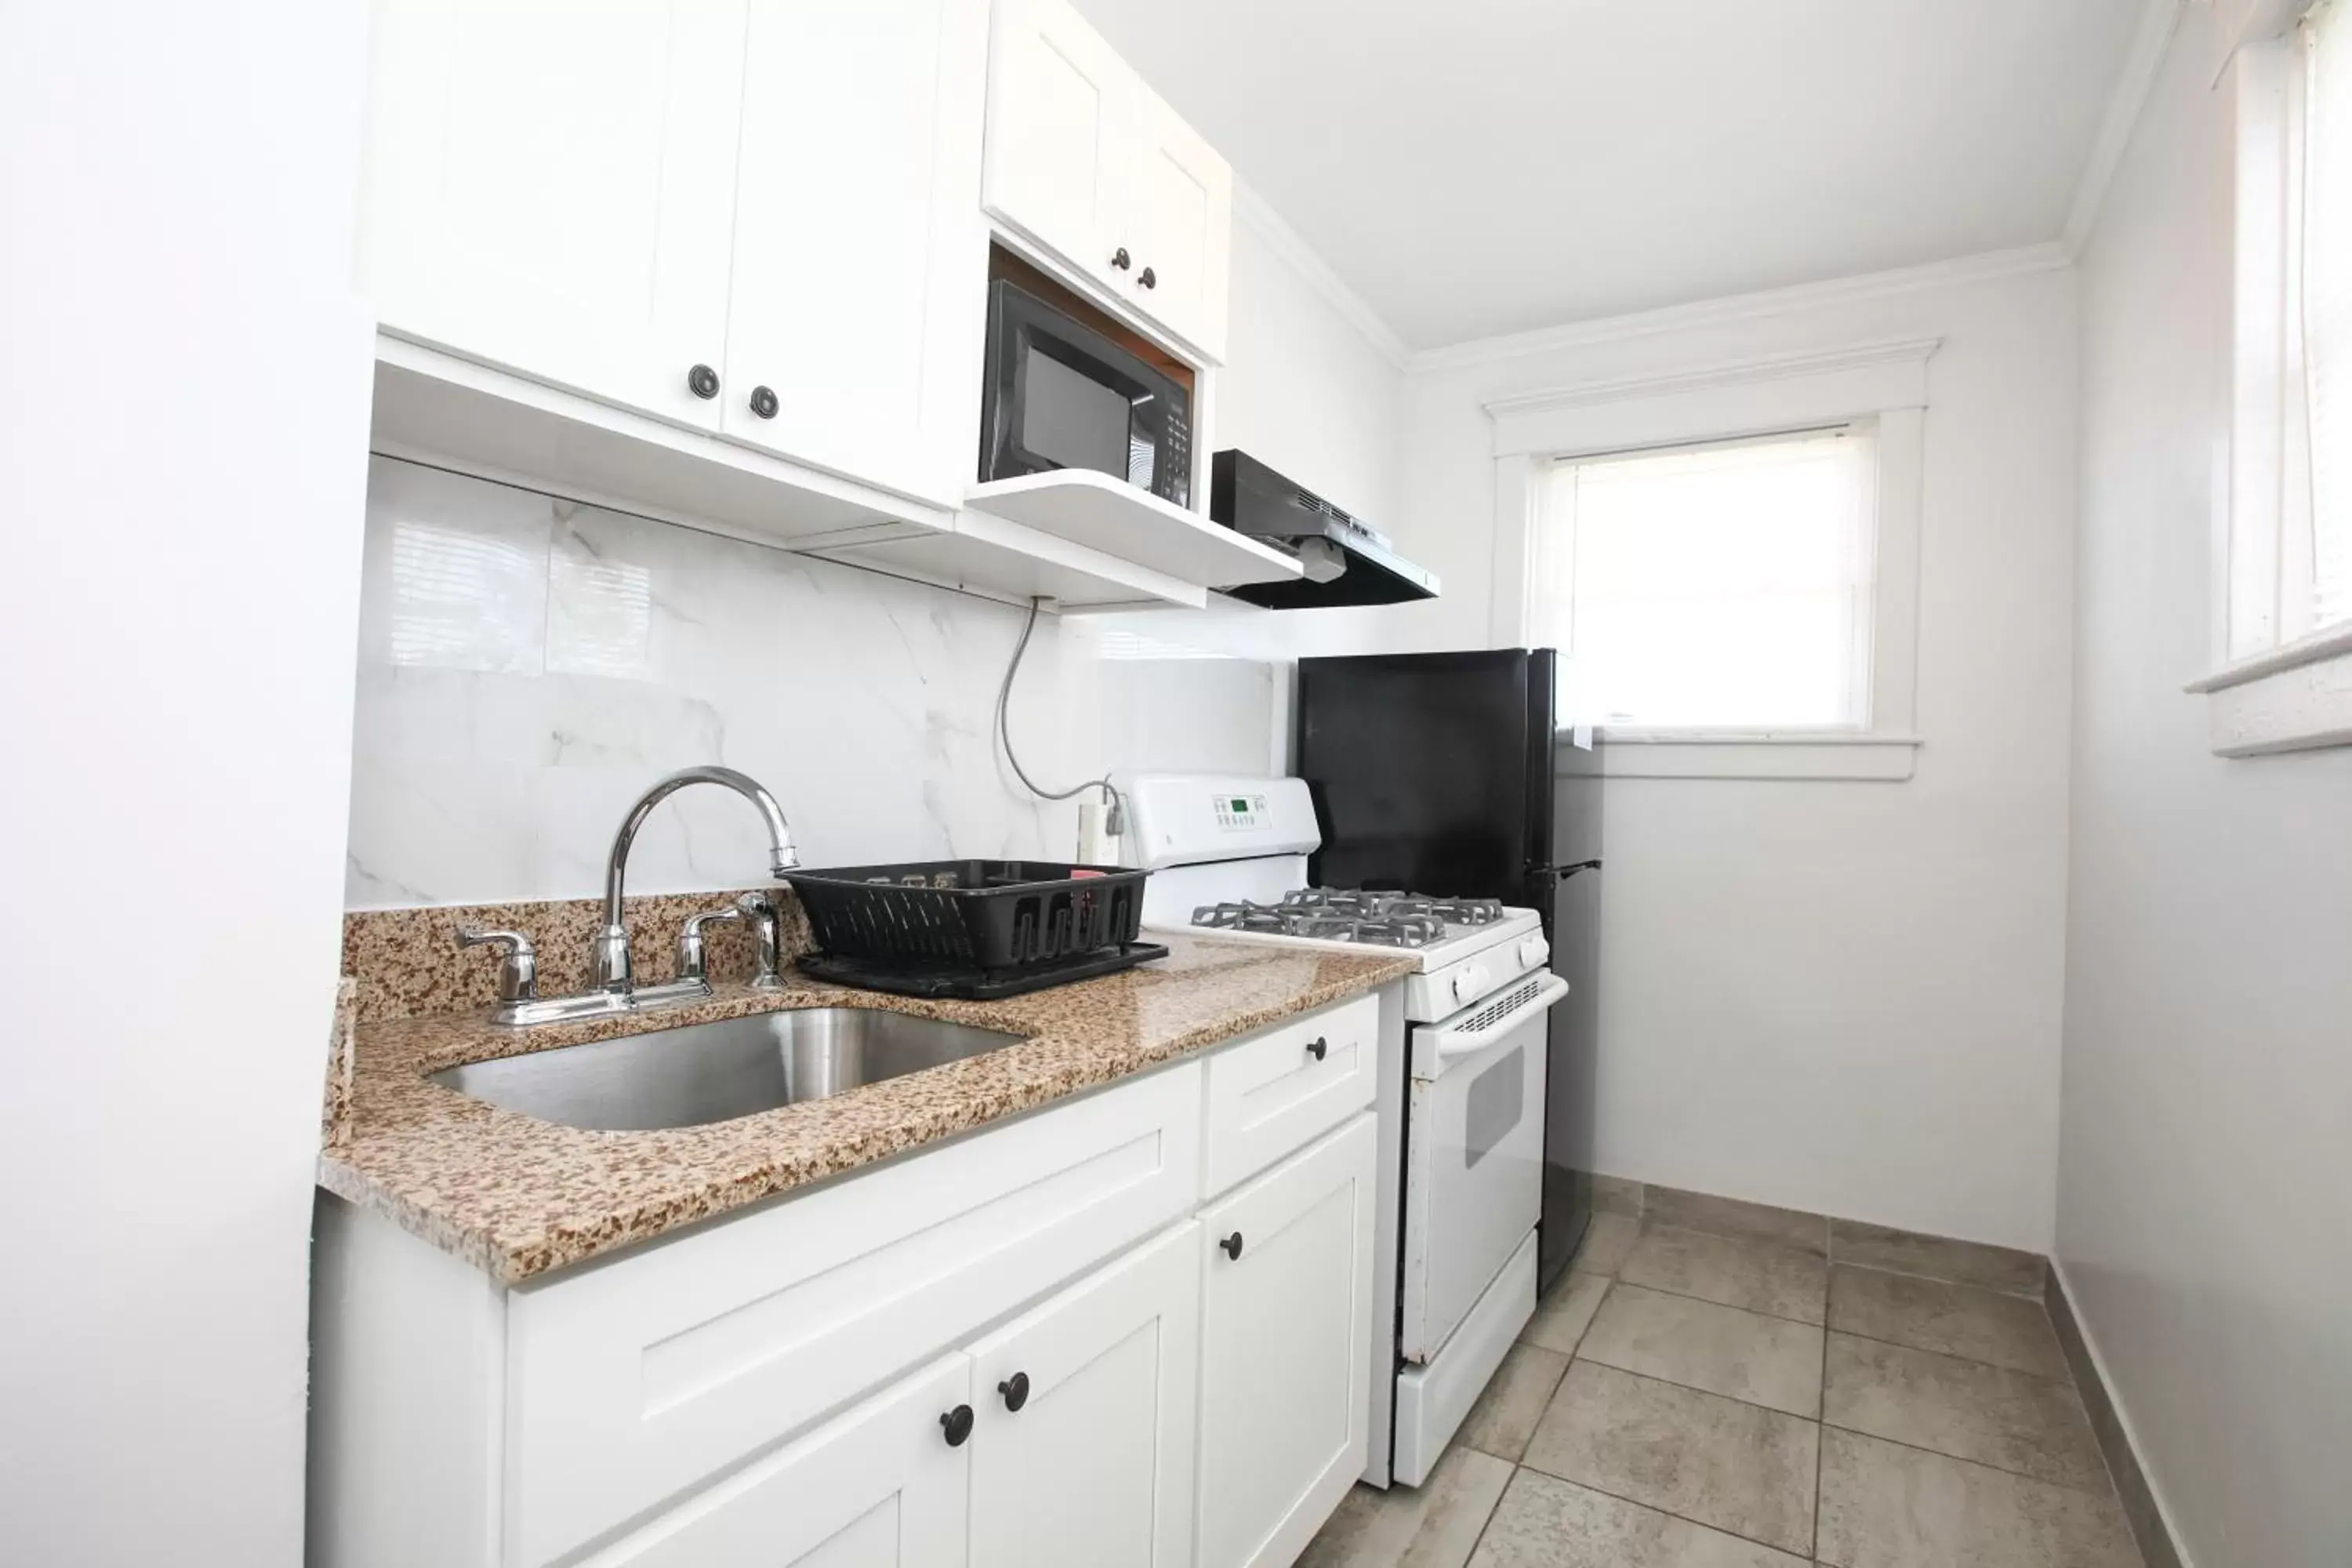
[(2159, 20), (2048, 256), (1251, 211), (1773, 367)]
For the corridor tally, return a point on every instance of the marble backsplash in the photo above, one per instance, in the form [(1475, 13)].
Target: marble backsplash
[(528, 665)]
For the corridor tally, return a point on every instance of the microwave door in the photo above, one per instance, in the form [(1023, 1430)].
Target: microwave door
[(1071, 419)]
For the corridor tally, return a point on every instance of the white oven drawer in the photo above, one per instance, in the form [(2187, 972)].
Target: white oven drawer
[(1473, 1157), (1287, 1088)]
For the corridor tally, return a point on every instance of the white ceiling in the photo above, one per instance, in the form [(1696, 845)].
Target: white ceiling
[(1476, 167)]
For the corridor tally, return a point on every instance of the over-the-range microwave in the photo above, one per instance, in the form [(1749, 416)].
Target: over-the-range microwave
[(1060, 395)]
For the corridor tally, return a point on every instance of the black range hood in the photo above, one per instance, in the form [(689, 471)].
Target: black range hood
[(1347, 562)]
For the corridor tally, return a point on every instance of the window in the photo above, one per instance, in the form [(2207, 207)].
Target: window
[(1728, 556), (1725, 586), (2286, 605)]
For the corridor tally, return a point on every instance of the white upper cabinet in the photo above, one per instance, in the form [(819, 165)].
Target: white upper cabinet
[(551, 189), (1085, 160), (1180, 212), (860, 260), (1059, 102)]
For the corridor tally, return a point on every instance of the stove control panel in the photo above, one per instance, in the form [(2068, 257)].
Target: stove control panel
[(1240, 813)]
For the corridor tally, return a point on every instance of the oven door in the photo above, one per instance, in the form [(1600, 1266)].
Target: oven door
[(1474, 1154)]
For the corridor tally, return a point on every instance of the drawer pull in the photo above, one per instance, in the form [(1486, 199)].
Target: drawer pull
[(1016, 1390), (1318, 1048), (1232, 1245), (958, 1423)]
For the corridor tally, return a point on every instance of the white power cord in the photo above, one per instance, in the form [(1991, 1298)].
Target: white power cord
[(1114, 822)]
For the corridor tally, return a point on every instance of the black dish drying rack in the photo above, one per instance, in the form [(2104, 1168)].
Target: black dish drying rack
[(978, 929)]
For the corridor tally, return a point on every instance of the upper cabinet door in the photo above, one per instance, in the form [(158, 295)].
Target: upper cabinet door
[(1179, 220), (1059, 107), (860, 273), (551, 188), (1084, 1457)]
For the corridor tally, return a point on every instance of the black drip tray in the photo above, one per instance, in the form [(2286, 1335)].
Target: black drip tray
[(975, 984)]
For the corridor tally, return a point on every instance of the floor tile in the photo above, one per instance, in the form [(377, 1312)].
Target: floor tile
[(1939, 1257), (1562, 1317), (1545, 1523), (1737, 1466), (1988, 1413), (1723, 1350), (1606, 1242), (1433, 1525), (1615, 1195), (1756, 1275), (1884, 1506), (1735, 1217), (1507, 1413), (1936, 1315)]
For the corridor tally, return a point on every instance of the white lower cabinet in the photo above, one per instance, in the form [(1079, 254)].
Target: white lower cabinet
[(881, 1487), (1083, 1458), (1032, 1348), (1285, 1324)]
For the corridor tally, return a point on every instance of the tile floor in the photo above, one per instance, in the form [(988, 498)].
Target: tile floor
[(1720, 1384)]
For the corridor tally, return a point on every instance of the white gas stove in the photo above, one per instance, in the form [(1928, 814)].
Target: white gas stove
[(1229, 859), (1461, 1079)]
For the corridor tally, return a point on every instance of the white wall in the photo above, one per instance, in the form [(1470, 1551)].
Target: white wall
[(182, 413), (1841, 996), (528, 666), (2205, 1191)]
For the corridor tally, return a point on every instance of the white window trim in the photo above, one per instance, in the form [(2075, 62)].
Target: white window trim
[(2294, 695), (1886, 383)]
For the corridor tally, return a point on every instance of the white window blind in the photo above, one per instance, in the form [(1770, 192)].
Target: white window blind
[(1720, 587), (2326, 300)]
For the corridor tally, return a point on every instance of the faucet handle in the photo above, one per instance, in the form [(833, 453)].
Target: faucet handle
[(518, 965), (759, 909), (689, 941)]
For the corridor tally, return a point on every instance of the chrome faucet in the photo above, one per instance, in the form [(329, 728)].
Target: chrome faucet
[(611, 971), (614, 989)]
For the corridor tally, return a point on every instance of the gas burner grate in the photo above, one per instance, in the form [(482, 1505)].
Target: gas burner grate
[(1342, 914)]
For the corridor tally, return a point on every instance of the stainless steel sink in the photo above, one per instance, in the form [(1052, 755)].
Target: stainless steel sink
[(716, 1072)]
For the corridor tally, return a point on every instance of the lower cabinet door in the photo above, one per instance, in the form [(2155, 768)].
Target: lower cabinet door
[(1083, 1458), (1286, 1337), (881, 1487)]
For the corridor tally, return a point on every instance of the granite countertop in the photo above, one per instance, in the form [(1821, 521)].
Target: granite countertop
[(519, 1196)]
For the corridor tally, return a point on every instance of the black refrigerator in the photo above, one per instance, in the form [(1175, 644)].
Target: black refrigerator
[(1444, 773)]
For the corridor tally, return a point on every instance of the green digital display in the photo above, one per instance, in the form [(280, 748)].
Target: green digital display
[(1241, 805)]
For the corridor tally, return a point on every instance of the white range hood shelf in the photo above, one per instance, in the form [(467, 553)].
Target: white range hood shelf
[(1118, 519)]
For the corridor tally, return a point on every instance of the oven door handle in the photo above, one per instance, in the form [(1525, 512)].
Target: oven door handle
[(1462, 1041)]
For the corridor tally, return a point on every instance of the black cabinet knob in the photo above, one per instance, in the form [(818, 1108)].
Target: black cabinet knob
[(1232, 1245), (764, 401), (958, 1423), (1318, 1048), (703, 381), (1147, 278), (1016, 1390), (1119, 259)]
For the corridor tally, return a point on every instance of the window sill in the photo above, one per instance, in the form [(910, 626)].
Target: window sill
[(1875, 758), (2292, 698)]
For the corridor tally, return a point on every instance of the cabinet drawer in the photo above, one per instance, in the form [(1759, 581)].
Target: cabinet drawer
[(1280, 1092), (630, 1383)]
